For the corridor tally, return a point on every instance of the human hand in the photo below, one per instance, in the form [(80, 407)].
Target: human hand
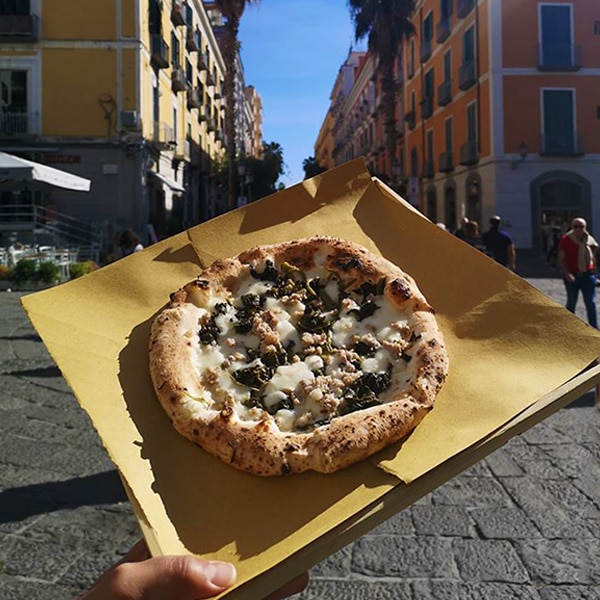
[(139, 577)]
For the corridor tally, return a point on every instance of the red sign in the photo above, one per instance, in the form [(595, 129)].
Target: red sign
[(62, 158)]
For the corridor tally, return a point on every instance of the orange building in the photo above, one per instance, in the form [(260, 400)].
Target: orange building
[(498, 113), (502, 103)]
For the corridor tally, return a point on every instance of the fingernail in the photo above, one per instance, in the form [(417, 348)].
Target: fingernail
[(221, 574)]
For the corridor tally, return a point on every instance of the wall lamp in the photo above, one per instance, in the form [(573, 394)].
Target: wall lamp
[(523, 152)]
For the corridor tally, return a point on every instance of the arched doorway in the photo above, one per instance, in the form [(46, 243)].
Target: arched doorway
[(450, 207), (431, 204), (558, 197)]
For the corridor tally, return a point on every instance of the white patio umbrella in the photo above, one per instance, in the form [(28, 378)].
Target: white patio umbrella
[(19, 174)]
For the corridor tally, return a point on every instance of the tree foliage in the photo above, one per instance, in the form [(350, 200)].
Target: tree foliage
[(385, 24), (312, 167)]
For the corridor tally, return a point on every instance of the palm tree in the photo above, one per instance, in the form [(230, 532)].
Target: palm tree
[(232, 11), (385, 24)]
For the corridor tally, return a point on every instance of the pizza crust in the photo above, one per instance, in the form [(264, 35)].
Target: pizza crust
[(259, 446)]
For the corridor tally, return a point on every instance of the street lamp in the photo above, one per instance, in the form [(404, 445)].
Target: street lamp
[(523, 152)]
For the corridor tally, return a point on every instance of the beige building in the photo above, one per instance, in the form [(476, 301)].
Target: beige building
[(127, 93)]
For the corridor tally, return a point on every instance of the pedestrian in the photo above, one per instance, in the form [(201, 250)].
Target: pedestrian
[(576, 260), (138, 576), (460, 232), (471, 234), (499, 245), (129, 242)]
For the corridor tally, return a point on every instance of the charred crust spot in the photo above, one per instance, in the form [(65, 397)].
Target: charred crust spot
[(347, 262), (203, 284), (400, 289), (432, 343), (285, 469), (196, 432), (173, 398), (160, 387), (227, 413), (290, 448)]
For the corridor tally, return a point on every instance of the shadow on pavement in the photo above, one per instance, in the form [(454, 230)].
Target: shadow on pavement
[(51, 371), (16, 504), (586, 400)]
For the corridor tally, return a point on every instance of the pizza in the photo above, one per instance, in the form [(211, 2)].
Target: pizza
[(311, 354)]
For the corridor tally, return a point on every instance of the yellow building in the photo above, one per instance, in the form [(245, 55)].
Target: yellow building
[(127, 93)]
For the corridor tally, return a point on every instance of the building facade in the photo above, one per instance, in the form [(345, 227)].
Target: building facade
[(127, 93), (499, 100)]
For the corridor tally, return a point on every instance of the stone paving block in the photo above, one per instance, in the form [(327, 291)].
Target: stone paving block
[(472, 492), (574, 460), (336, 566), (496, 591), (18, 589), (46, 562), (504, 522), (24, 452), (399, 524), (557, 561), (545, 433), (449, 521), (569, 592), (435, 589), (355, 589), (502, 464), (547, 512), (488, 560), (582, 425), (390, 556), (577, 503)]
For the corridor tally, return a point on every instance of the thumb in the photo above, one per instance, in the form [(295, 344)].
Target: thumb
[(172, 578)]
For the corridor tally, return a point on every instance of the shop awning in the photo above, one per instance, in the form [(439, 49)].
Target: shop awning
[(172, 185)]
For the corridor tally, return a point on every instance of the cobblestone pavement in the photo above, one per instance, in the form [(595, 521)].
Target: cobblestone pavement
[(522, 524)]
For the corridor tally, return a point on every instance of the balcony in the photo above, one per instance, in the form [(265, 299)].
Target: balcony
[(183, 150), (428, 169), (162, 136), (18, 124), (194, 99), (468, 153), (464, 7), (426, 107), (466, 75), (410, 118), (192, 40), (559, 57), (177, 13), (562, 145), (210, 80), (425, 49), (203, 61), (159, 56), (446, 162), (18, 28), (444, 93), (178, 80), (442, 29), (211, 124)]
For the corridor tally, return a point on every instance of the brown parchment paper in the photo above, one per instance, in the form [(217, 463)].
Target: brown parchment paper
[(509, 346)]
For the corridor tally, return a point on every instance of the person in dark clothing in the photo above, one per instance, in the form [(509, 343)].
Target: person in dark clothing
[(499, 244)]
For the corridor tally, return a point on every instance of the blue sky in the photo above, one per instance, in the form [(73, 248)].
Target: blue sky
[(292, 51)]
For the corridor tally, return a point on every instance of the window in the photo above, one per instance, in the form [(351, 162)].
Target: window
[(175, 54), (429, 144), (558, 120), (155, 17), (189, 72), (468, 46), (448, 134), (428, 84), (14, 117), (445, 8), (427, 37), (472, 122), (414, 163), (556, 43), (448, 66), (14, 7), (411, 58)]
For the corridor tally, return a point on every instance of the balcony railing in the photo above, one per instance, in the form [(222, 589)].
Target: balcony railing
[(444, 93), (446, 162), (426, 107), (177, 15), (464, 7), (466, 75), (203, 61), (410, 119), (194, 99), (442, 29), (162, 135), (178, 81), (17, 124), (468, 153), (159, 52), (192, 40), (18, 28), (559, 57), (562, 145), (428, 169), (425, 49)]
